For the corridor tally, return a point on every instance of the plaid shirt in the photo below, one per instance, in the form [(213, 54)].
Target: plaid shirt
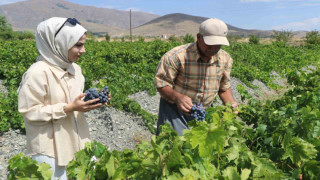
[(184, 71)]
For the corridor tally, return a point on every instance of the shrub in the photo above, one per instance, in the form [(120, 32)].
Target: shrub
[(9, 35), (107, 36), (233, 38), (140, 38), (6, 30), (89, 34), (253, 39), (282, 36), (188, 38), (26, 35), (173, 38), (313, 38), (4, 25)]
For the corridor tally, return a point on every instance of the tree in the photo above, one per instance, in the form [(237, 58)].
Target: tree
[(4, 25), (107, 37), (89, 34), (173, 38), (26, 35), (6, 31), (312, 38), (233, 38), (253, 39), (282, 36), (5, 35), (141, 38), (188, 38)]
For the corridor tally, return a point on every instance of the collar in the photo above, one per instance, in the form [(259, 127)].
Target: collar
[(60, 73), (56, 70)]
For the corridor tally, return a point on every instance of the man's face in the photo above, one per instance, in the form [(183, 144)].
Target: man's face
[(207, 50)]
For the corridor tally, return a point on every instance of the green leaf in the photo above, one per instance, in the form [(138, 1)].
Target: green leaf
[(231, 173), (299, 150), (245, 173), (310, 169), (155, 145), (286, 140), (228, 117), (44, 170), (264, 168), (261, 129), (99, 150), (233, 152), (209, 138), (110, 166), (80, 172), (189, 173), (174, 176), (174, 158), (215, 119)]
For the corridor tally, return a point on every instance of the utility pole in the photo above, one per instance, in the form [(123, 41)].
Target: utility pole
[(130, 27)]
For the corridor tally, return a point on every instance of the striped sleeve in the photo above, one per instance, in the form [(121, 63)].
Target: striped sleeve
[(225, 83), (167, 71)]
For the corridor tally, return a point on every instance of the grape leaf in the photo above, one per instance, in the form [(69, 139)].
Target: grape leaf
[(209, 138), (231, 173), (44, 170)]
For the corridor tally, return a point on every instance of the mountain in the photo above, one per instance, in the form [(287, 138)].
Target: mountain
[(179, 24), (26, 15)]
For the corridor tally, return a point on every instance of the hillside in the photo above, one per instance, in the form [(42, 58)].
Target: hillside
[(28, 14), (179, 24)]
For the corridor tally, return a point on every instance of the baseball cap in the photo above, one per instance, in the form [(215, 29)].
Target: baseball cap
[(214, 32)]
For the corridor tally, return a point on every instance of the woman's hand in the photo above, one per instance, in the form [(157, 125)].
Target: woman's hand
[(79, 105)]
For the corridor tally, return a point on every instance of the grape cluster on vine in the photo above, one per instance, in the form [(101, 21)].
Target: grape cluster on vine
[(198, 112), (93, 94)]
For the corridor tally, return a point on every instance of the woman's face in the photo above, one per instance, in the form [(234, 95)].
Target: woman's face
[(77, 50)]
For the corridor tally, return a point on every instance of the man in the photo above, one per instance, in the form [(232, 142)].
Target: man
[(193, 73)]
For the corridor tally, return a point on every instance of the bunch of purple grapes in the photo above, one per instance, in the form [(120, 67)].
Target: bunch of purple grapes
[(198, 112), (93, 94)]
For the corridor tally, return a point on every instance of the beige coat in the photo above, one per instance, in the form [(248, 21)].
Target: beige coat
[(44, 91)]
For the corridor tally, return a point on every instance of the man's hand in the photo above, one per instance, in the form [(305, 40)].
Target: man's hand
[(184, 104), (79, 105), (227, 97), (234, 105)]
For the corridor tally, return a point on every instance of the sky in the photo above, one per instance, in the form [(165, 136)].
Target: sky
[(287, 15)]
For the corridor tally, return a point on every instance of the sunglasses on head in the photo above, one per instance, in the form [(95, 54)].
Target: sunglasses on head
[(72, 21)]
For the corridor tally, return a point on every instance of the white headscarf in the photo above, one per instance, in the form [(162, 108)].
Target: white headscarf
[(55, 49)]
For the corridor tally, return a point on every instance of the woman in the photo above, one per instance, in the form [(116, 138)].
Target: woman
[(50, 95)]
